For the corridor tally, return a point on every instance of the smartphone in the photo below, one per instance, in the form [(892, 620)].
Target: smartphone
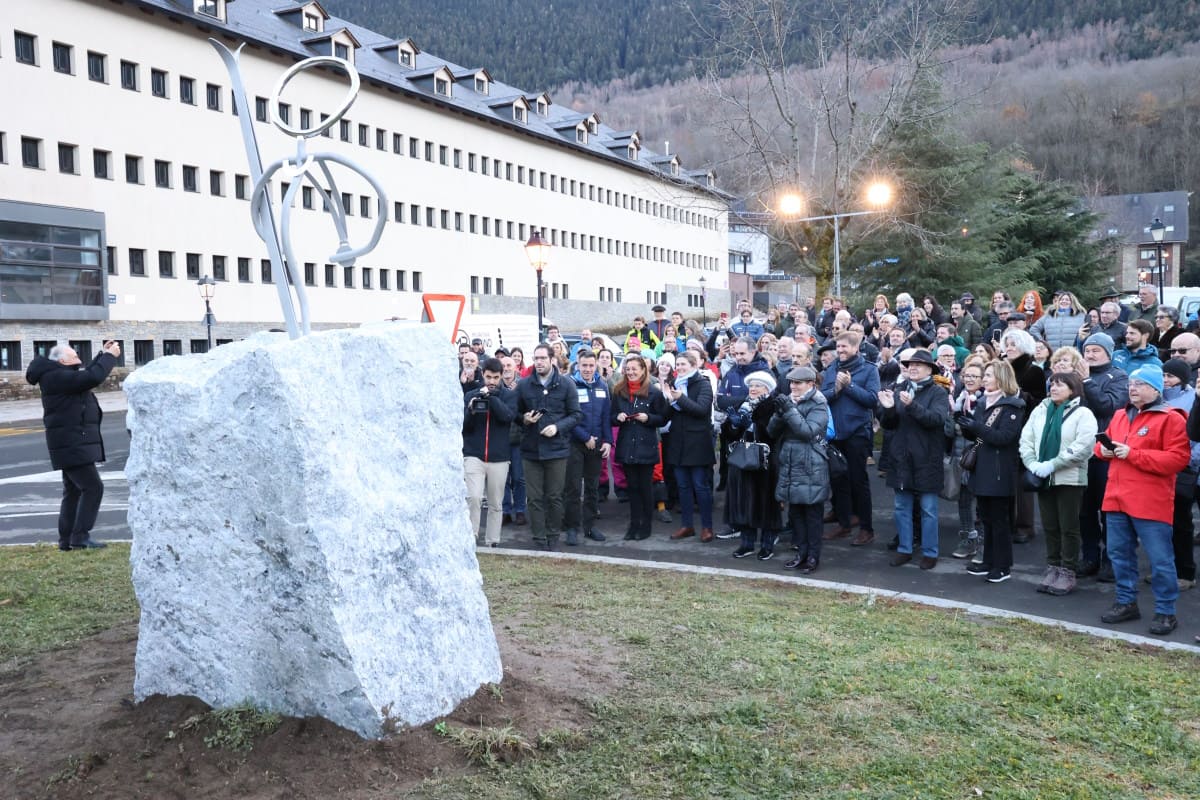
[(1106, 440)]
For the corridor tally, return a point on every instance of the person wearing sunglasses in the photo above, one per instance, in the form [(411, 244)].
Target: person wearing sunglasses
[(1166, 330)]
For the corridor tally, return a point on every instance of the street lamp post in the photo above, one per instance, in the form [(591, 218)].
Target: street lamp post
[(703, 305), (538, 251), (1157, 230), (207, 287), (878, 194)]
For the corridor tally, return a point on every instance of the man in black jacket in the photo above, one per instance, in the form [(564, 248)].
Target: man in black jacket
[(548, 408), (72, 417), (488, 415)]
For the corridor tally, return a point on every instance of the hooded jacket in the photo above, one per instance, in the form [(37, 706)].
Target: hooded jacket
[(1143, 485), (70, 412)]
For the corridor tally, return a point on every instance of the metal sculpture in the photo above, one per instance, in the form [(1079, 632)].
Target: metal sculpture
[(298, 169)]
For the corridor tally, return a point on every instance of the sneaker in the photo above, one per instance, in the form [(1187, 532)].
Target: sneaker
[(809, 566), (978, 557), (796, 563), (1049, 578), (765, 555), (729, 534), (665, 516), (998, 576), (743, 551), (1185, 584), (594, 535), (1063, 584), (978, 569), (1163, 624), (968, 542), (88, 544), (573, 537), (1121, 612)]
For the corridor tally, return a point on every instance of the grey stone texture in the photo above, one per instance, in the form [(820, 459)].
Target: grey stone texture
[(300, 531)]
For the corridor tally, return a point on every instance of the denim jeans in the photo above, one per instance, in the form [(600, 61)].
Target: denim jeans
[(929, 521), (1124, 534), (699, 480), (514, 488)]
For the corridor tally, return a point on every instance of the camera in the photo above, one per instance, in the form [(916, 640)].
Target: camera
[(478, 405)]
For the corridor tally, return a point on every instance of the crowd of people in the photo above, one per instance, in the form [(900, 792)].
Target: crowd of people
[(1086, 413)]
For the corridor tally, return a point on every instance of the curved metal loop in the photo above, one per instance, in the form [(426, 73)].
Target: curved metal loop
[(296, 69)]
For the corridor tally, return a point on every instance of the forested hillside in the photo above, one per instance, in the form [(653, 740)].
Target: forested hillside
[(538, 45)]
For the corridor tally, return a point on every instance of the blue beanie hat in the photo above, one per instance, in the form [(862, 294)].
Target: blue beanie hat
[(1101, 340), (1150, 374)]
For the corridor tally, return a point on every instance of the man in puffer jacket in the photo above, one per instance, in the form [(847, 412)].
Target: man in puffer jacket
[(72, 416), (1149, 447)]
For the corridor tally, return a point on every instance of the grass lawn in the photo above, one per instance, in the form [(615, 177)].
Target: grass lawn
[(732, 688)]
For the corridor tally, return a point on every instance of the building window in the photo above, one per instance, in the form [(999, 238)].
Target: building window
[(199, 346), (310, 274), (218, 268), (264, 270), (143, 351), (26, 48), (380, 139), (137, 261), (187, 91), (429, 151), (487, 285), (474, 284), (305, 119), (364, 207), (243, 270), (96, 67), (172, 347), (406, 58), (129, 76), (212, 94), (10, 356), (458, 217), (158, 83), (364, 131), (397, 143), (366, 272), (344, 130), (445, 219), (110, 259), (341, 51), (401, 280), (63, 58), (398, 212), (383, 279), (499, 285), (519, 114), (414, 146), (240, 183), (414, 214), (306, 196), (66, 158), (189, 179), (162, 174), (481, 84), (216, 183), (416, 282), (192, 266), (441, 86), (470, 162), (429, 211), (31, 152), (208, 7), (285, 113), (348, 277), (133, 169), (166, 264), (443, 153), (347, 208), (312, 22), (330, 276)]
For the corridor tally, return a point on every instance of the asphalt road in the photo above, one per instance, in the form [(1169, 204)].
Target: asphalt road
[(30, 492)]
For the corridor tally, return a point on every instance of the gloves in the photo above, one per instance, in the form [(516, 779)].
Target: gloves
[(1042, 469), (782, 404), (966, 422)]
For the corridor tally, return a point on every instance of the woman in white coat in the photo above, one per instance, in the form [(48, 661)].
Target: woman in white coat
[(1056, 443)]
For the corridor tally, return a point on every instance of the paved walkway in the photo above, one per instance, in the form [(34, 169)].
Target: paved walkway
[(13, 411)]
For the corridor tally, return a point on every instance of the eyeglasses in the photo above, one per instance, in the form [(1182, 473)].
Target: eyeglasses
[(1161, 316), (971, 376), (1178, 350)]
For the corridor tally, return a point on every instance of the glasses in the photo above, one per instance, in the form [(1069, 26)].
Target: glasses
[(1179, 350), (1161, 316), (971, 376)]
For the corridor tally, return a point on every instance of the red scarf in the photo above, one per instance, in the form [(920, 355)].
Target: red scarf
[(635, 387)]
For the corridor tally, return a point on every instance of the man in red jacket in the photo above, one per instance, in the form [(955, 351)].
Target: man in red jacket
[(1149, 445)]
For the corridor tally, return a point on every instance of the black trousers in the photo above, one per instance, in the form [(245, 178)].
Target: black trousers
[(997, 516), (807, 528), (1182, 533), (1092, 528), (852, 492), (640, 482), (583, 470), (82, 492)]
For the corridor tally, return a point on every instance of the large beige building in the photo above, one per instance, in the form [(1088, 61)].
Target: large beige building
[(124, 179)]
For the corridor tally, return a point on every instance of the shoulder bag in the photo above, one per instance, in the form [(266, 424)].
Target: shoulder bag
[(749, 456)]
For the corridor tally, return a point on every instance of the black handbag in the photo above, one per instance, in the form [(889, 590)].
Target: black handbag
[(749, 456), (970, 456), (1030, 482), (838, 466)]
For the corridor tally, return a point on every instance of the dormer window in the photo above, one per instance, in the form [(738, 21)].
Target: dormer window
[(520, 113), (210, 8), (632, 152), (593, 124), (406, 57), (441, 86), (312, 22), (581, 134), (543, 108), (341, 51), (481, 84)]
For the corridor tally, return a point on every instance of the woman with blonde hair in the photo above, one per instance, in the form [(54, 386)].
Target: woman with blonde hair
[(995, 425), (1060, 325)]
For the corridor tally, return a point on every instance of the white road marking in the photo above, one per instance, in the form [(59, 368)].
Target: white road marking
[(56, 477)]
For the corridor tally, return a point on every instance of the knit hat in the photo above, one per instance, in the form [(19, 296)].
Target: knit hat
[(802, 373), (695, 344), (1150, 374), (768, 380), (1100, 340), (1179, 368), (669, 358)]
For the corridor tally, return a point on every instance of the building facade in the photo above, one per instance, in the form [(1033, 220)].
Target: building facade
[(124, 179), (1128, 218)]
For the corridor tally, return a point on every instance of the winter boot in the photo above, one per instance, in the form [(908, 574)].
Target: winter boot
[(1064, 582)]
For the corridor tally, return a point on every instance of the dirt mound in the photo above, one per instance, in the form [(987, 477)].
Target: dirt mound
[(69, 728)]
